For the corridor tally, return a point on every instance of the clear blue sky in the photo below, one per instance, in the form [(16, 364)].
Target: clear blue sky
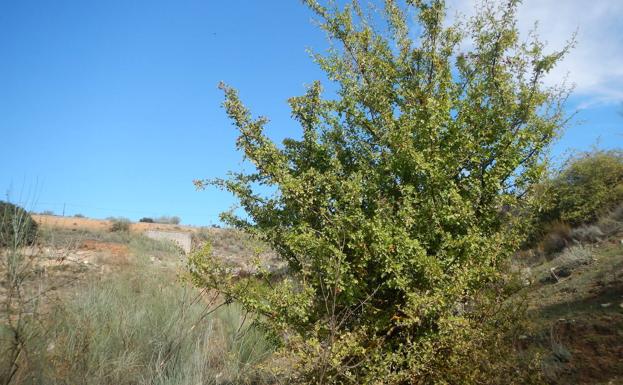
[(111, 107)]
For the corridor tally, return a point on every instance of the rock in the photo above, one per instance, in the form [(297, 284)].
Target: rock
[(605, 305)]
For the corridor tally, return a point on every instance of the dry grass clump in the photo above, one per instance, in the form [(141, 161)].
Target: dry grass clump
[(119, 224), (137, 328), (566, 262), (612, 223), (574, 257), (560, 237), (587, 234)]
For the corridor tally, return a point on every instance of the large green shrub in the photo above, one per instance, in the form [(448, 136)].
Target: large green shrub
[(17, 228), (590, 184), (391, 207)]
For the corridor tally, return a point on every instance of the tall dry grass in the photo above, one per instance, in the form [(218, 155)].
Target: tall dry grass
[(136, 328)]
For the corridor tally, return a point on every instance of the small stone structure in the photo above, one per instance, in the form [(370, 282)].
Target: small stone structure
[(182, 239)]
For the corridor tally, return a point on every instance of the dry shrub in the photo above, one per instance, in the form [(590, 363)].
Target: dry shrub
[(587, 234), (120, 225), (169, 220), (612, 223), (557, 237), (566, 263), (574, 257)]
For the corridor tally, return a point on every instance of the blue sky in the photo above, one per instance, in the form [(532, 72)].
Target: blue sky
[(110, 108)]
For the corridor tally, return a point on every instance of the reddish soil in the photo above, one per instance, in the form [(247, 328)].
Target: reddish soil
[(115, 249), (596, 347), (103, 225), (581, 322)]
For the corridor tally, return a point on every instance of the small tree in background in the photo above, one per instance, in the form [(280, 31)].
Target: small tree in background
[(119, 224), (16, 226), (394, 208), (170, 220), (590, 184)]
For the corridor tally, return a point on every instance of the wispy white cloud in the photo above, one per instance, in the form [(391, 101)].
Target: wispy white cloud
[(595, 65)]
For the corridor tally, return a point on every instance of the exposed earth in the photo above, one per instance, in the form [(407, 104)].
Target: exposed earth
[(104, 225), (577, 320)]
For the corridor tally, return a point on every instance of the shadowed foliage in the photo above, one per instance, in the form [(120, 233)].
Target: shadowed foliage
[(16, 226)]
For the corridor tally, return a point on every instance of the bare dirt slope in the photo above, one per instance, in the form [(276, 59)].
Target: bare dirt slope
[(578, 319)]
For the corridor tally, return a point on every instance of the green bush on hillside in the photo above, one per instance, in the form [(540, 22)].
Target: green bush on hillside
[(591, 184), (17, 228)]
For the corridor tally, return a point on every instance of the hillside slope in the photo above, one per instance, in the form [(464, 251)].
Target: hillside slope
[(576, 312), (574, 297)]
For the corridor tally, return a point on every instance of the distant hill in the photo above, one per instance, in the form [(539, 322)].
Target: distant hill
[(104, 224)]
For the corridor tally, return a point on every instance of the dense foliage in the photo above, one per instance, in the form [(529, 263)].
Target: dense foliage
[(589, 184), (393, 209), (17, 228)]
